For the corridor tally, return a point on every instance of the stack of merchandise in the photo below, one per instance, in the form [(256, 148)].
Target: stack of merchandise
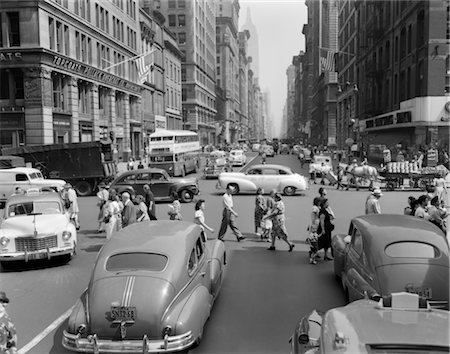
[(403, 167)]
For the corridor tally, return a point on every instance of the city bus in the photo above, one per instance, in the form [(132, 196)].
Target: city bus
[(176, 151)]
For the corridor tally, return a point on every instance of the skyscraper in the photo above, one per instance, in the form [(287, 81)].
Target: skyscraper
[(253, 44)]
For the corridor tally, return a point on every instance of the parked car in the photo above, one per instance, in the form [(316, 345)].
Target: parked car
[(217, 154), (35, 225), (214, 167), (268, 149), (256, 147), (162, 185), (321, 164), (151, 291), (386, 253), (398, 323), (285, 149), (25, 178), (305, 155), (237, 157), (266, 176)]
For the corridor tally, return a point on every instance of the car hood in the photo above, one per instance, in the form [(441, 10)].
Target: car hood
[(27, 225), (430, 280), (150, 296), (184, 180)]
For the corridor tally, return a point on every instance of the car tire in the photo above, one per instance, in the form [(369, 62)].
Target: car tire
[(289, 190), (234, 188), (83, 188), (186, 196)]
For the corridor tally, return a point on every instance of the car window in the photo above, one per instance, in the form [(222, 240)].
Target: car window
[(158, 176), (128, 179), (143, 176), (269, 171), (411, 250), (136, 261), (41, 207), (357, 241), (192, 263), (255, 171), (282, 172), (21, 177)]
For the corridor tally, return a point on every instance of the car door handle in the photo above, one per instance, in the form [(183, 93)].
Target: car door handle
[(203, 274)]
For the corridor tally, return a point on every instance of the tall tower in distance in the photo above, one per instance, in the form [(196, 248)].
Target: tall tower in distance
[(253, 44)]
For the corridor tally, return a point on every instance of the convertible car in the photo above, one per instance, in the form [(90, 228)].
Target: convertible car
[(399, 323), (35, 225), (389, 253), (268, 177), (151, 291)]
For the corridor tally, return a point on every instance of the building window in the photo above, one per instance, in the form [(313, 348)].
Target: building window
[(181, 4), (13, 29), (181, 20), (11, 84), (182, 38), (172, 20), (83, 98), (83, 48), (51, 32), (172, 4), (59, 92), (59, 37), (66, 40), (77, 45), (103, 101)]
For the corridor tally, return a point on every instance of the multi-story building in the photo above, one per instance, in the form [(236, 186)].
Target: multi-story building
[(299, 130), (244, 64), (194, 24), (227, 65), (403, 75), (290, 124)]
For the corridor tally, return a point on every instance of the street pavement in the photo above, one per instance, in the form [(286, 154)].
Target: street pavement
[(264, 292)]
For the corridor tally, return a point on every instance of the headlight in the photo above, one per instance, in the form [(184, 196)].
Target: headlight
[(66, 235), (4, 241)]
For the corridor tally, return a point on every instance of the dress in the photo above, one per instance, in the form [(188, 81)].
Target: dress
[(175, 210), (260, 209), (279, 221), (325, 239), (112, 210), (440, 191), (142, 212)]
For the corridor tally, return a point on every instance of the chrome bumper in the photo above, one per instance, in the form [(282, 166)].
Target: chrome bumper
[(34, 255), (92, 344)]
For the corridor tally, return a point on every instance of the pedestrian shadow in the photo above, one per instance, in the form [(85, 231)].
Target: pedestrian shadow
[(98, 236), (92, 248)]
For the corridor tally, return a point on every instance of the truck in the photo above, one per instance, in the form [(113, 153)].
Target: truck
[(84, 164)]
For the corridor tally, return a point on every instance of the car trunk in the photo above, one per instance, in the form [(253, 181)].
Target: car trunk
[(139, 301), (428, 280)]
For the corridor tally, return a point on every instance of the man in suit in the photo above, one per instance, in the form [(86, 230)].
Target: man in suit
[(129, 210)]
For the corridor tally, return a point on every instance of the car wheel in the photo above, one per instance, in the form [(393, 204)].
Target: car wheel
[(234, 188), (83, 188), (186, 196), (289, 190)]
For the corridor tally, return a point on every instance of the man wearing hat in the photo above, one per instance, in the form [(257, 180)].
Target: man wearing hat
[(8, 335), (103, 196), (373, 202)]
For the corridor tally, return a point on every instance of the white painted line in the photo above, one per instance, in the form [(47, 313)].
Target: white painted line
[(35, 341)]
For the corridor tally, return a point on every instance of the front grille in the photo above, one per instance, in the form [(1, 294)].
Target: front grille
[(30, 244)]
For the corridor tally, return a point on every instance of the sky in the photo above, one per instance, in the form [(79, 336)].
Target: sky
[(279, 24)]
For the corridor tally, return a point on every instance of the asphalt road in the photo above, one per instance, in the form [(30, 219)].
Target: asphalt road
[(264, 293)]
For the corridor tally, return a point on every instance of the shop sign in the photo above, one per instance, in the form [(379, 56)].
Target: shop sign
[(93, 73), (160, 123), (10, 56), (432, 157)]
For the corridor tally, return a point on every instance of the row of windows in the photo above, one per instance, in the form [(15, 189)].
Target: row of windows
[(173, 4), (173, 71), (174, 23), (173, 98)]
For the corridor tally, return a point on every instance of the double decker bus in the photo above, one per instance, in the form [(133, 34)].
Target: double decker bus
[(176, 151)]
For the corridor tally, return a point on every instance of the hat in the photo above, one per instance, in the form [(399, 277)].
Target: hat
[(3, 298), (67, 185), (377, 191), (277, 196)]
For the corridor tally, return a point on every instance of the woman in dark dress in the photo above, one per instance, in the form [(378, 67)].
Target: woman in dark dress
[(325, 229)]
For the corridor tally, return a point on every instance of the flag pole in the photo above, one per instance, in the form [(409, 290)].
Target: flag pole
[(132, 58)]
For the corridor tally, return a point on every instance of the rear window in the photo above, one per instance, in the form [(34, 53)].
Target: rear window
[(136, 261), (411, 250)]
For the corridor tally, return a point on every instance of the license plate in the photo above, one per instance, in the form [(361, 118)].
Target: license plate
[(424, 292), (123, 313), (34, 256)]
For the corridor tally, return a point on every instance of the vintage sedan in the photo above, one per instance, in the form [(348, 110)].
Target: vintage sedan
[(321, 164), (237, 157), (389, 253), (151, 291), (214, 167), (35, 225), (266, 176), (398, 323), (163, 186)]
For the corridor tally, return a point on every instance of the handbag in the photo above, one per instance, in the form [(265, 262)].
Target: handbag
[(67, 203)]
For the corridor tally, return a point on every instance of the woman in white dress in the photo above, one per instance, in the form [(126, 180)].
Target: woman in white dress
[(112, 216), (142, 210), (199, 216)]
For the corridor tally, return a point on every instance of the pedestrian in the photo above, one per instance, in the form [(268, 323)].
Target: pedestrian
[(325, 228), (175, 208), (437, 214), (263, 157), (199, 215), (340, 176), (129, 210), (228, 217), (71, 202), (440, 188), (103, 196), (373, 202), (322, 194), (8, 333), (312, 172), (313, 236), (130, 164), (411, 207), (266, 223), (112, 215), (150, 201), (279, 223), (260, 210), (140, 165), (142, 210), (421, 210)]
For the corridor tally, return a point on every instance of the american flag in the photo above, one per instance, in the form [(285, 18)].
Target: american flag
[(327, 62), (143, 68)]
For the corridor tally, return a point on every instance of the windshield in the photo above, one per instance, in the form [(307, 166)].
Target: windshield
[(136, 261), (411, 250), (161, 158), (27, 208), (36, 175)]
